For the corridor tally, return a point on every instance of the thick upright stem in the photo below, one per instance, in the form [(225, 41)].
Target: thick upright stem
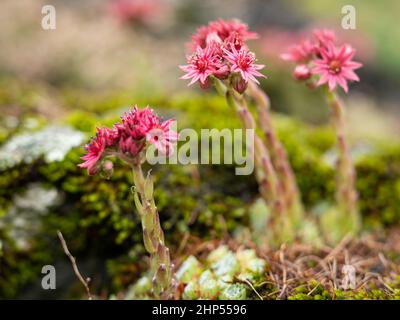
[(346, 194), (153, 236), (278, 154), (269, 184)]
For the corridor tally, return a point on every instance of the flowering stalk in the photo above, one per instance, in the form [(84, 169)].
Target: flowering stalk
[(320, 62), (270, 187), (346, 193), (128, 141), (220, 57), (153, 235), (278, 155)]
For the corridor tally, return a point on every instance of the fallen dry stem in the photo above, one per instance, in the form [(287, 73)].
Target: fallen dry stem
[(74, 265)]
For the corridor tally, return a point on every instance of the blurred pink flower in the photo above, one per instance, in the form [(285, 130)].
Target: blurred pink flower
[(234, 40), (300, 53), (319, 55), (201, 65), (223, 29), (242, 61), (199, 39), (135, 10), (275, 40), (213, 38), (302, 72), (336, 66), (325, 37)]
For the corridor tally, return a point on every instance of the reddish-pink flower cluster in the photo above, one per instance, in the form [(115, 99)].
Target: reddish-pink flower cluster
[(220, 51), (128, 138), (134, 10), (322, 57)]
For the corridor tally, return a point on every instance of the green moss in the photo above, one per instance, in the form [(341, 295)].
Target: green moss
[(313, 290), (206, 201)]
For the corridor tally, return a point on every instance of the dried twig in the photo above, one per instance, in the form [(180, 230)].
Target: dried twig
[(250, 285), (342, 244), (74, 266), (284, 273), (183, 243), (313, 289)]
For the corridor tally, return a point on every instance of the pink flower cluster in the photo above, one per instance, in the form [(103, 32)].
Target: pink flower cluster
[(320, 56), (128, 138), (219, 50), (134, 10)]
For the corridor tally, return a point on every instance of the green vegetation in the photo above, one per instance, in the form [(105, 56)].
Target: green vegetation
[(205, 201)]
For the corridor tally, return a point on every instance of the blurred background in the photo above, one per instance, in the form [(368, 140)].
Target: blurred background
[(57, 85), (101, 47)]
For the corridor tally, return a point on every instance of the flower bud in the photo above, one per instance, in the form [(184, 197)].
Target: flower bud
[(206, 84), (213, 37), (239, 84), (107, 169), (302, 72), (222, 72)]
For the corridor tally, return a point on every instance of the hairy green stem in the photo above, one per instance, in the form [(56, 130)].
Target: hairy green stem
[(278, 153), (280, 226), (153, 236), (346, 193)]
